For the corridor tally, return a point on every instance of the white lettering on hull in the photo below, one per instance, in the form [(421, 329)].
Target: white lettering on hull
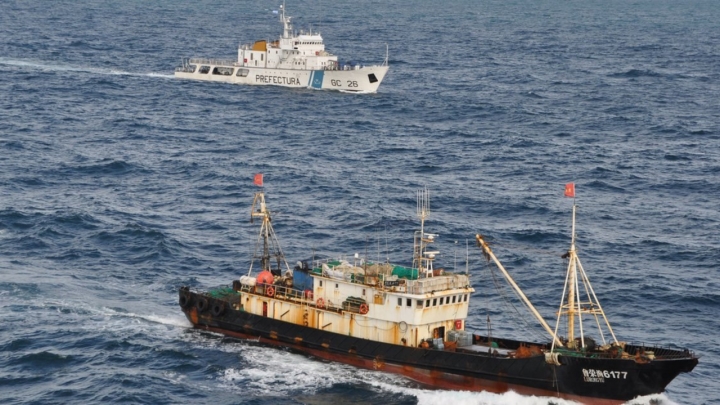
[(599, 376), (281, 80)]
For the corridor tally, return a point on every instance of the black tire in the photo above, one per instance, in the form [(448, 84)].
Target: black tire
[(202, 305), (218, 309), (185, 300)]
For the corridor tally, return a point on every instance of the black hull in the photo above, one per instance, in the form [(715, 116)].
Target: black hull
[(589, 380)]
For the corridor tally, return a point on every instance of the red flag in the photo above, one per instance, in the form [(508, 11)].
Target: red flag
[(570, 190), (258, 180)]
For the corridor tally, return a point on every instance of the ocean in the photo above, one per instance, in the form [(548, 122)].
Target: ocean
[(119, 183)]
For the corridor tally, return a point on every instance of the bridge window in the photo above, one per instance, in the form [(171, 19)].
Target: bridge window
[(223, 71), (419, 303), (427, 303), (434, 302), (454, 297), (399, 302), (204, 69), (465, 298), (408, 302)]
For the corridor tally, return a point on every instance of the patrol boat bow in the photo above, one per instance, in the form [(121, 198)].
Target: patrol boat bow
[(411, 321), (293, 60)]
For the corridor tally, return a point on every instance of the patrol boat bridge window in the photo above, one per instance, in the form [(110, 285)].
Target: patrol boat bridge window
[(223, 71), (186, 68)]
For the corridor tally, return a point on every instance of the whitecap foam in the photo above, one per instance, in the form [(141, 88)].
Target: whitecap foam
[(161, 75), (268, 370), (114, 318), (655, 399), (431, 397), (70, 68), (175, 378), (170, 320)]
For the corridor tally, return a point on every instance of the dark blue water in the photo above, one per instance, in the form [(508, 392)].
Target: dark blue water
[(120, 184)]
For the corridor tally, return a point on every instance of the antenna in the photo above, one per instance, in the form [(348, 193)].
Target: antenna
[(423, 204), (423, 259), (455, 257), (387, 252), (378, 245), (467, 258)]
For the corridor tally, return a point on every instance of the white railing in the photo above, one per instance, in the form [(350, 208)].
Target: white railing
[(215, 62)]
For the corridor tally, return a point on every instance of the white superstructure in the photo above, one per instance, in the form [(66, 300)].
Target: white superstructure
[(381, 302), (293, 60)]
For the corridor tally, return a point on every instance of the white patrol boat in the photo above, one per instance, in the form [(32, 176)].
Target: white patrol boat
[(294, 60)]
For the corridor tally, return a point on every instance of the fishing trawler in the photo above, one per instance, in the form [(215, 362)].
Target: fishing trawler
[(411, 320), (293, 60)]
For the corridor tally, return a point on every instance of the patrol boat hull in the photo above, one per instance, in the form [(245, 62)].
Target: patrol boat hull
[(365, 79)]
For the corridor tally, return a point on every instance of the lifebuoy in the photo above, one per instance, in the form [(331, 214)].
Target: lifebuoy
[(202, 305), (270, 291), (320, 303), (364, 308), (218, 309)]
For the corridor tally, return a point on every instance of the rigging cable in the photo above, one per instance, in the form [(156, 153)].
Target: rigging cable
[(507, 303)]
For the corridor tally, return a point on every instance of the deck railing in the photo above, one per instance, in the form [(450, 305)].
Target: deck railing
[(214, 62)]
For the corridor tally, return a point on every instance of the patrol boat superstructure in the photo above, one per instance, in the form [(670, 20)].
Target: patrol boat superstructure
[(293, 60)]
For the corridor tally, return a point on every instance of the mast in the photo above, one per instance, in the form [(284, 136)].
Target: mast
[(287, 27), (267, 241), (572, 271), (576, 306), (490, 254), (422, 258)]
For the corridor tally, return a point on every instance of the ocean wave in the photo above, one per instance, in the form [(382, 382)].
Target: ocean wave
[(122, 184)]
